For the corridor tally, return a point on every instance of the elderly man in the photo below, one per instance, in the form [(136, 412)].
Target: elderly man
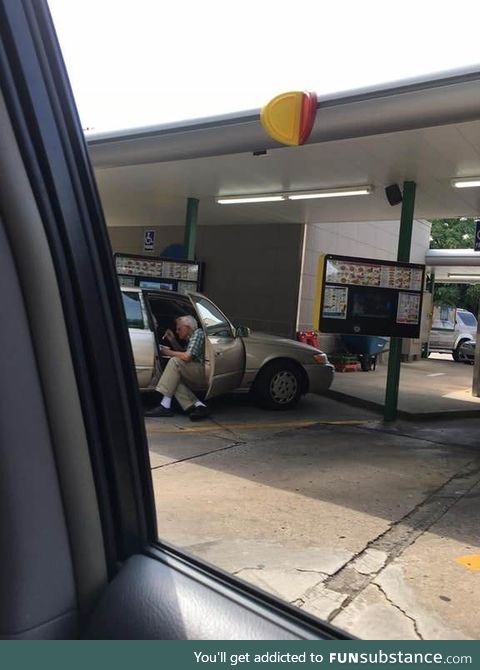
[(183, 367)]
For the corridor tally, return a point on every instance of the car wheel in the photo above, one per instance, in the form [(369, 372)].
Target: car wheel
[(456, 351), (278, 385)]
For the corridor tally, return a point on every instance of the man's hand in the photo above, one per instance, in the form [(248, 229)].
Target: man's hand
[(166, 351), (170, 335)]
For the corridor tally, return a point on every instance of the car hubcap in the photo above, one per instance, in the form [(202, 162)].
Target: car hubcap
[(283, 387)]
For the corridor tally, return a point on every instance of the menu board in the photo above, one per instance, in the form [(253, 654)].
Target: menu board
[(408, 310), (373, 274), (163, 269), (361, 296), (335, 303)]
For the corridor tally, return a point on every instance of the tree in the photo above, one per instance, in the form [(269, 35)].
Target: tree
[(471, 298), (448, 294), (454, 234)]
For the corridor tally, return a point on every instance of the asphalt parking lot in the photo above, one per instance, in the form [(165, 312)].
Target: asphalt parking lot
[(372, 526)]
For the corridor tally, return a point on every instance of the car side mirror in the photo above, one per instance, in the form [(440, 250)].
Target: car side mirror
[(242, 331)]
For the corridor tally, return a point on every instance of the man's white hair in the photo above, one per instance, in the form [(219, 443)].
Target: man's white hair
[(189, 321)]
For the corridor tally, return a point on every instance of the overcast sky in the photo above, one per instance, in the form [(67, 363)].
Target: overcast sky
[(146, 62)]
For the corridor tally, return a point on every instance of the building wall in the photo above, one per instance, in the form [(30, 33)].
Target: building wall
[(377, 240), (129, 239), (251, 271)]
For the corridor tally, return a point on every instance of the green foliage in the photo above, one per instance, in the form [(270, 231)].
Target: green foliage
[(455, 234), (471, 298), (452, 234), (448, 294)]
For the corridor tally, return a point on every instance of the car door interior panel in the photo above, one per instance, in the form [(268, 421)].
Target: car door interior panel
[(149, 599)]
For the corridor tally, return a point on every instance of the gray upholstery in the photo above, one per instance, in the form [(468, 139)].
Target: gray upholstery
[(36, 578), (151, 600)]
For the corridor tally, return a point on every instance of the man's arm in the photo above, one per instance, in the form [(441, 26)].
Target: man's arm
[(182, 355), (174, 343)]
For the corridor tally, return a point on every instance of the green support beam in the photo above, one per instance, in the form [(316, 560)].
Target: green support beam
[(190, 238), (394, 357)]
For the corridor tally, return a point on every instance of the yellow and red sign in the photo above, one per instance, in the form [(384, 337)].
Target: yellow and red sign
[(289, 117)]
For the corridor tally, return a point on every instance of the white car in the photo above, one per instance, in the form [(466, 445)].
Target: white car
[(449, 334), (276, 370)]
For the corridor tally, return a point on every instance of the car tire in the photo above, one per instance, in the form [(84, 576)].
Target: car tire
[(278, 385), (456, 351)]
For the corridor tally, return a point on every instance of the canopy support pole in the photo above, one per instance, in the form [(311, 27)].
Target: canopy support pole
[(403, 255)]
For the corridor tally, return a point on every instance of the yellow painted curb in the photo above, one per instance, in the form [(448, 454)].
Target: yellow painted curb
[(253, 426)]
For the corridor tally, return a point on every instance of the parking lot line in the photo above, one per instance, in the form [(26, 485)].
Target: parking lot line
[(254, 426)]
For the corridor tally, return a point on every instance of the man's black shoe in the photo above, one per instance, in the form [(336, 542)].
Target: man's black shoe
[(199, 413), (158, 411)]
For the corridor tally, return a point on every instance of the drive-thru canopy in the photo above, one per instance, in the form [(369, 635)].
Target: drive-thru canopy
[(427, 131)]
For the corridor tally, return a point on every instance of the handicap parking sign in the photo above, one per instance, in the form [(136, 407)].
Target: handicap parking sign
[(149, 240), (477, 235)]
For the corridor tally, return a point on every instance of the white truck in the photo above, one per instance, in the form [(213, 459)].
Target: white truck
[(451, 327)]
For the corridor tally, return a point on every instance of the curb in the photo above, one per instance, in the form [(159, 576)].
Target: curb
[(402, 414)]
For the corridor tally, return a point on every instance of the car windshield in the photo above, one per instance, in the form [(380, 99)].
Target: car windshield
[(467, 318)]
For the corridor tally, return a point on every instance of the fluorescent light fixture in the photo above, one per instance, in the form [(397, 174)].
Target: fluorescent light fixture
[(293, 195), (470, 182), (466, 277), (331, 193), (249, 198)]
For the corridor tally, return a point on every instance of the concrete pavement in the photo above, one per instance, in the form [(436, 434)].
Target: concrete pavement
[(432, 387), (364, 524)]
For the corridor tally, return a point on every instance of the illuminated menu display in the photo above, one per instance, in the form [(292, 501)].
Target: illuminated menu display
[(361, 296), (159, 269), (375, 275)]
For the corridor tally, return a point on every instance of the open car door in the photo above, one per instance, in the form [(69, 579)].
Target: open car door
[(224, 352)]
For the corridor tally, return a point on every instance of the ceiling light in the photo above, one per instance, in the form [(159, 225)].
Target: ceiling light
[(250, 198), (331, 193), (294, 195), (466, 277), (471, 182)]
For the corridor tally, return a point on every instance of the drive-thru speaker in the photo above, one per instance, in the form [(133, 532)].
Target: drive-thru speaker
[(393, 194)]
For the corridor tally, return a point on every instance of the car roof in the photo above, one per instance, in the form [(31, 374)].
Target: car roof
[(156, 291)]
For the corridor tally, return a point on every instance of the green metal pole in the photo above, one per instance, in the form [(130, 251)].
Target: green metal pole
[(394, 357), (431, 290), (190, 238)]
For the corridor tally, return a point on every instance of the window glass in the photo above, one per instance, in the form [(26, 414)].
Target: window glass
[(439, 324), (216, 324), (133, 310), (467, 318), (308, 504)]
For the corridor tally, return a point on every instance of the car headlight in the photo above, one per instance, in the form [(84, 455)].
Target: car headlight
[(321, 359)]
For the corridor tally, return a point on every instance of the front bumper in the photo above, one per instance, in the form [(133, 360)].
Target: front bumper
[(320, 377)]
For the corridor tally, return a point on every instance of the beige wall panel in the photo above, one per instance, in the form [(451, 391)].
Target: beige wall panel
[(252, 271)]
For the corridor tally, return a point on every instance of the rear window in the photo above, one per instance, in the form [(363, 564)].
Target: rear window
[(467, 318)]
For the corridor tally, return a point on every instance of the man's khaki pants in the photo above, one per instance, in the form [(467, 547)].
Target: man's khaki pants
[(177, 372)]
